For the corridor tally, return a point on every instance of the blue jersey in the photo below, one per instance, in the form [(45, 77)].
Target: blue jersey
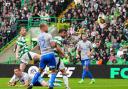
[(44, 42), (48, 57)]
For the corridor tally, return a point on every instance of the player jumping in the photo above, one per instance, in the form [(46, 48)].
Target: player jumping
[(47, 56), (22, 50), (84, 50)]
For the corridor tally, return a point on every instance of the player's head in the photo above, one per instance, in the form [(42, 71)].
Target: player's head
[(63, 33), (23, 31), (44, 28), (84, 37), (17, 72)]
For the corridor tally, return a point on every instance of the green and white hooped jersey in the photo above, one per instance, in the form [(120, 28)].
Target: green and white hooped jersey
[(23, 46), (59, 40)]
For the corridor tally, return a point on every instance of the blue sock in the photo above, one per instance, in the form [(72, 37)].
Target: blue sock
[(35, 78), (89, 74), (84, 73), (52, 80)]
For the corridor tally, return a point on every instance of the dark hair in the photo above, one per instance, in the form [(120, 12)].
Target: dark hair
[(22, 28), (17, 68), (62, 30)]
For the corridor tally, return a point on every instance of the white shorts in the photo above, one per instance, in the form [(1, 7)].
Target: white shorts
[(25, 58), (61, 65)]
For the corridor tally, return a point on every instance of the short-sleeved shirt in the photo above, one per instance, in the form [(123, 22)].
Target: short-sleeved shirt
[(44, 40), (59, 40), (23, 46), (22, 79), (84, 47)]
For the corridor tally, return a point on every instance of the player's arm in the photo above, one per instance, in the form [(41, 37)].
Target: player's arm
[(19, 44), (17, 51), (36, 47), (12, 81), (91, 50), (58, 48), (37, 56), (78, 51), (60, 51), (26, 78), (26, 83)]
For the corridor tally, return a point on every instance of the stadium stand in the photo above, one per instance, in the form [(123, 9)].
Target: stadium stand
[(16, 13), (106, 25)]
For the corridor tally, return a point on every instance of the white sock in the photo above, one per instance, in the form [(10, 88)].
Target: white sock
[(92, 79), (65, 78)]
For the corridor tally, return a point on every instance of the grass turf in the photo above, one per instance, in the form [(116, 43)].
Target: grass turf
[(100, 84)]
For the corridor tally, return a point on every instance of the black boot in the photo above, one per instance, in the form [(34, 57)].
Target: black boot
[(29, 87), (50, 88)]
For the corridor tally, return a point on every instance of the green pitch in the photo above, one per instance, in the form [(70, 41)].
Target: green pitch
[(100, 84)]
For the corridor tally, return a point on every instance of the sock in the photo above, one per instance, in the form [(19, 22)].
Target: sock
[(84, 74), (89, 74), (58, 81), (57, 84), (35, 78), (52, 80), (65, 78)]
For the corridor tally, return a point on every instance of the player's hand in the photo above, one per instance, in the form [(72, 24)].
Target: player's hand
[(17, 57), (77, 56), (19, 85), (11, 84), (89, 54)]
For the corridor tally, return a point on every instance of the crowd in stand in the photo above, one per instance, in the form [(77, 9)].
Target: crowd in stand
[(106, 26), (14, 13)]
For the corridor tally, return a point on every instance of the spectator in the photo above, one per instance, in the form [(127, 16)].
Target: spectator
[(112, 57), (120, 52), (11, 11), (115, 44)]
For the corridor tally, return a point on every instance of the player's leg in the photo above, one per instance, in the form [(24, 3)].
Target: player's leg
[(34, 56), (89, 74), (58, 81), (24, 61), (36, 76), (52, 67), (42, 82), (42, 65), (22, 66), (57, 68), (65, 77), (26, 58), (85, 64), (52, 79), (84, 72)]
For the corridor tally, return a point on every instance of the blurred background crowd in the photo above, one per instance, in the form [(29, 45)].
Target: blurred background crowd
[(105, 23), (12, 11), (106, 26)]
